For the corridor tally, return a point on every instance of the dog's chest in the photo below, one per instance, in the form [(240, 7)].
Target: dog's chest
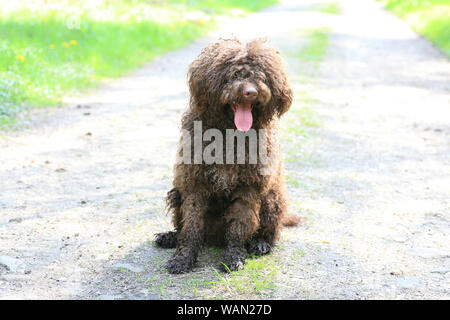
[(226, 178), (220, 178)]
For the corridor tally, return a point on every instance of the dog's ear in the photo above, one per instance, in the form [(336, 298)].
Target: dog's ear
[(284, 99), (279, 84), (282, 92), (197, 86)]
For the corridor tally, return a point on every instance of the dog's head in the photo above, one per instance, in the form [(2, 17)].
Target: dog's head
[(244, 84)]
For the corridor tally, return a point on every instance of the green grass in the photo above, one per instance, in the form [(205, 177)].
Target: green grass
[(292, 181), (297, 130), (430, 18), (48, 51), (256, 279), (302, 117), (299, 123), (297, 254), (316, 47), (194, 284)]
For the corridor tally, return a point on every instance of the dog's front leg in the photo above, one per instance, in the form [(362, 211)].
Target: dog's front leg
[(242, 221), (190, 238)]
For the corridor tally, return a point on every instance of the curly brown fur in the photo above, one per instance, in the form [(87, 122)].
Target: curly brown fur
[(230, 204)]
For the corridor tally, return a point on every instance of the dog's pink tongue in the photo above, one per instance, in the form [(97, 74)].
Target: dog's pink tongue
[(243, 118)]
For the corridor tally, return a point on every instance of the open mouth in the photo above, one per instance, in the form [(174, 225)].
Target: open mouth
[(243, 117)]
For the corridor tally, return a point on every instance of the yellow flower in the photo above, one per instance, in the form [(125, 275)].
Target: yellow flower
[(52, 46), (20, 57), (92, 76), (65, 44), (73, 42)]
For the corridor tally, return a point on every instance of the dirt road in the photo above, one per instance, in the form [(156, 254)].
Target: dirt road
[(81, 189)]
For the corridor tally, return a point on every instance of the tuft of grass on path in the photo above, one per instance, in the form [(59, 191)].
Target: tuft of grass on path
[(302, 117), (53, 48), (316, 47), (430, 18), (301, 121), (256, 279)]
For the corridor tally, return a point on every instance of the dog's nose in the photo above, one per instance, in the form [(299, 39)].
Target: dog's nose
[(250, 93)]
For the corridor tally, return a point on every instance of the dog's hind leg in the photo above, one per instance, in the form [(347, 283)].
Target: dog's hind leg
[(173, 204), (273, 206), (241, 220), (191, 236)]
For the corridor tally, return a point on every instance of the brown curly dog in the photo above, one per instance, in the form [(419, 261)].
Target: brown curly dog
[(238, 205)]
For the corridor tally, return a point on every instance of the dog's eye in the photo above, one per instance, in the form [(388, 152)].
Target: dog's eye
[(261, 75), (236, 71)]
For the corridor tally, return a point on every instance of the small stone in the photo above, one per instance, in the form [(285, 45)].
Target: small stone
[(11, 264)]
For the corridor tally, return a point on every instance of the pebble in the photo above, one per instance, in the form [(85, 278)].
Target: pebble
[(11, 264)]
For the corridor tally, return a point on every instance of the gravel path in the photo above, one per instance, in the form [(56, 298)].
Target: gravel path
[(82, 189)]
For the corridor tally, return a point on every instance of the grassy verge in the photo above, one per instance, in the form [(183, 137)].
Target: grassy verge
[(431, 18), (299, 127), (48, 49), (298, 123)]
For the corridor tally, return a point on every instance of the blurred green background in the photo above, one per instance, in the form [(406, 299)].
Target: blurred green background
[(50, 48), (431, 18), (53, 47)]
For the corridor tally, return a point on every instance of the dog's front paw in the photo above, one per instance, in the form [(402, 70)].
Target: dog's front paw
[(180, 264), (166, 239), (258, 247), (233, 261)]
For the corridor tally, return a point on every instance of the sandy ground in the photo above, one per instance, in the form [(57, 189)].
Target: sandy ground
[(82, 188)]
